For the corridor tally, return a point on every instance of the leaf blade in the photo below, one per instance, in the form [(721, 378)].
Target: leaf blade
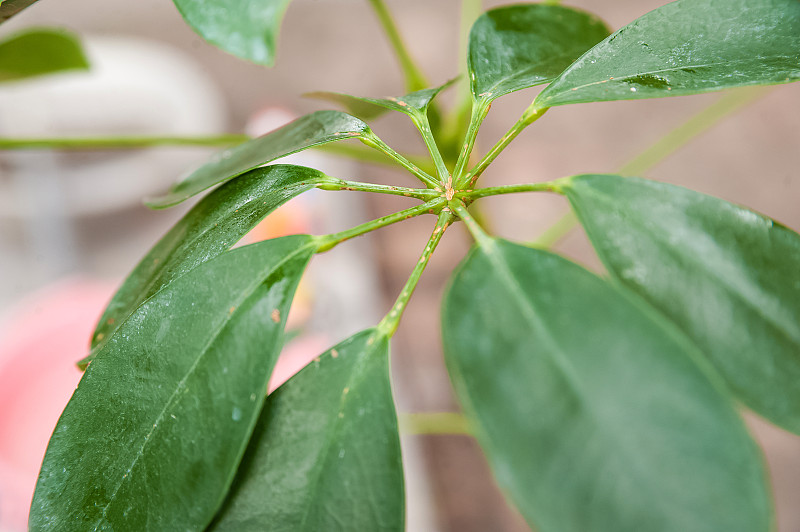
[(210, 228), (726, 275), (245, 28), (574, 421), (321, 127), (687, 47), (151, 441), (38, 52), (9, 8), (516, 47), (325, 454)]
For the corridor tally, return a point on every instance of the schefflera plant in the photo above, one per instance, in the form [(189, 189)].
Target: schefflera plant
[(602, 403)]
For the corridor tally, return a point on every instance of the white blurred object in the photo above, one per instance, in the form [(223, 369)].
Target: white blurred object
[(134, 87)]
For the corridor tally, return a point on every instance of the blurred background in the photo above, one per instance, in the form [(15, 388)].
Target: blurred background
[(72, 224)]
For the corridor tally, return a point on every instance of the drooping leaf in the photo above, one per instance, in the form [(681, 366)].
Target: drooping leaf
[(311, 130), (9, 8), (245, 28), (520, 46), (155, 430), (212, 226), (594, 411), (325, 454), (367, 108), (38, 52), (687, 47), (730, 278)]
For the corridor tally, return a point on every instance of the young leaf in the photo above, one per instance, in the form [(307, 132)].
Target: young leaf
[(325, 454), (9, 8), (595, 413), (730, 278), (245, 28), (40, 51), (687, 47), (516, 47), (155, 430), (308, 131), (212, 226), (411, 104)]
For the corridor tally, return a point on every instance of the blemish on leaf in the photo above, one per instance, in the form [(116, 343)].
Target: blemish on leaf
[(276, 316), (334, 353)]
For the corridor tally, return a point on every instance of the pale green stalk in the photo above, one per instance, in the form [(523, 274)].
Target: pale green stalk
[(373, 141), (508, 189), (677, 138), (113, 143), (415, 79), (423, 125), (434, 423), (480, 108)]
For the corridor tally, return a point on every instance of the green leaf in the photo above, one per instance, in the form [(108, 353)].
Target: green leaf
[(325, 454), (595, 413), (245, 28), (9, 8), (730, 278), (516, 47), (38, 52), (308, 131), (367, 108), (687, 47), (157, 426), (212, 226)]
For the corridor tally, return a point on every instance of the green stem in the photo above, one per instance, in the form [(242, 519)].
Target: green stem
[(480, 108), (474, 228), (372, 140), (328, 242), (667, 145), (366, 155), (549, 186), (457, 121), (415, 79), (423, 125), (530, 116), (434, 423), (111, 143), (389, 323), (418, 193)]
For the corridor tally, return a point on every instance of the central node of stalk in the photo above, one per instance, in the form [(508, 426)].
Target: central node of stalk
[(448, 188)]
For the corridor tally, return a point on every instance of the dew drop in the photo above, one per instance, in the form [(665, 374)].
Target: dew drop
[(633, 89)]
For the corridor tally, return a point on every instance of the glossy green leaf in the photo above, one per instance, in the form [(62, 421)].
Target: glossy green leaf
[(367, 108), (157, 426), (325, 454), (308, 131), (520, 46), (245, 28), (687, 47), (730, 278), (38, 52), (596, 413), (9, 8), (212, 226)]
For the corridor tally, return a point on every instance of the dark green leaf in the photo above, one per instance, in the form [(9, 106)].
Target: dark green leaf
[(730, 278), (367, 108), (516, 47), (308, 131), (40, 51), (214, 225), (687, 47), (325, 454), (245, 28), (9, 8), (595, 412), (155, 430)]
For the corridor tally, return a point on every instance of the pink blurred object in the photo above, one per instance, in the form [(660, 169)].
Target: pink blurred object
[(41, 338)]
